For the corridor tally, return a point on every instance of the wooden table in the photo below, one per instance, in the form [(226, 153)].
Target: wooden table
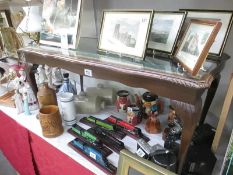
[(157, 75)]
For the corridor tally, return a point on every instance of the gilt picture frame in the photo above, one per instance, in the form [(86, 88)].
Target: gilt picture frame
[(195, 44), (61, 23), (131, 164), (125, 32), (6, 18), (165, 30), (224, 16)]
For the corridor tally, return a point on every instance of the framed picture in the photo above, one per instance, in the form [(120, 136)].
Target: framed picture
[(165, 30), (125, 32), (131, 164), (5, 18), (60, 23), (196, 43), (225, 17)]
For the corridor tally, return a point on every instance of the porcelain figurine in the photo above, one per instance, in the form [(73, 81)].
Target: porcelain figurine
[(32, 101), (18, 102), (152, 123), (173, 131), (48, 73), (67, 86), (149, 100), (133, 117), (41, 75), (25, 104), (22, 75), (122, 101), (57, 77)]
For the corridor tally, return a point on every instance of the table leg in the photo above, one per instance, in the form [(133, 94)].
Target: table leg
[(190, 115), (209, 97)]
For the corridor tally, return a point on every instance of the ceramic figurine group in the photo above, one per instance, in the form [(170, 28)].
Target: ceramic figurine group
[(46, 74), (25, 100)]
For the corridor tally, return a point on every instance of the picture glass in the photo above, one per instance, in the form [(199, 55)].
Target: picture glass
[(125, 32), (193, 43), (224, 17), (132, 171), (164, 31), (4, 20), (60, 22)]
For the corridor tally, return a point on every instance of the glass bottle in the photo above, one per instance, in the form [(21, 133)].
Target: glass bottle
[(67, 86)]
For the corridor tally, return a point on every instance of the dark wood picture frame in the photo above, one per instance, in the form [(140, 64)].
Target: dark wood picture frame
[(195, 44), (175, 20), (224, 16)]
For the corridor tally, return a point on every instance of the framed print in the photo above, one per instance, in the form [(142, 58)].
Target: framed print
[(5, 18), (225, 17), (165, 30), (60, 23), (195, 44), (131, 164), (125, 32)]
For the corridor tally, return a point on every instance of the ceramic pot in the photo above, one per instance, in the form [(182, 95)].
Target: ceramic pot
[(50, 120), (46, 96), (122, 101), (67, 107)]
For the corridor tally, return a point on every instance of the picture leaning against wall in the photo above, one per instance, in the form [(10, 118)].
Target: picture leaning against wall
[(61, 23), (125, 32)]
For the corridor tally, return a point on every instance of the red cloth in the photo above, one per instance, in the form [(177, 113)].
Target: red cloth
[(14, 143), (50, 160)]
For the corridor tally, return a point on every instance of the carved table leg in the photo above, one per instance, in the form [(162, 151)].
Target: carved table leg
[(209, 97), (190, 115)]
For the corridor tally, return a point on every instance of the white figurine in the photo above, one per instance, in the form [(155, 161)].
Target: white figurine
[(18, 101), (22, 75), (26, 104), (42, 76), (48, 72), (57, 77), (32, 101)]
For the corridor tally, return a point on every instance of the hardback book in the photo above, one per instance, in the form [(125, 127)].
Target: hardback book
[(61, 23)]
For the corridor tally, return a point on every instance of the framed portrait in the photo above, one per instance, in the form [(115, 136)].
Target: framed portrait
[(224, 16), (132, 164), (60, 23), (125, 32), (195, 44), (165, 30), (5, 18)]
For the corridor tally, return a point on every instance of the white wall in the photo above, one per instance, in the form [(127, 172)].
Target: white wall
[(172, 5)]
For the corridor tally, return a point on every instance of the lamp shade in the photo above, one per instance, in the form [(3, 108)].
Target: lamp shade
[(32, 21)]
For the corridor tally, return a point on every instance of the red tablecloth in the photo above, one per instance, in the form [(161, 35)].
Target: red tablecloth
[(50, 161), (29, 154), (14, 143)]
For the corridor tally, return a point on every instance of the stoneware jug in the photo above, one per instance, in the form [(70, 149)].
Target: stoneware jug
[(46, 96)]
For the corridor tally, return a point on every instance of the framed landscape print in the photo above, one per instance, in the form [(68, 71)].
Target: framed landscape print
[(165, 30), (195, 44), (225, 17), (60, 23), (125, 32)]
